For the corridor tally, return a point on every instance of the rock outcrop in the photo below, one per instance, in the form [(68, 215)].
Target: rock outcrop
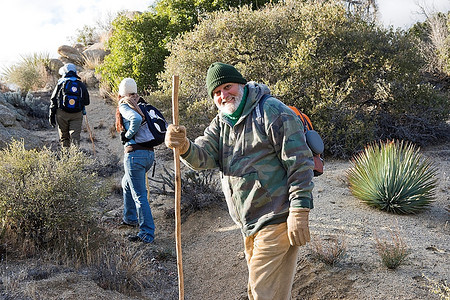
[(83, 58), (70, 54), (11, 125)]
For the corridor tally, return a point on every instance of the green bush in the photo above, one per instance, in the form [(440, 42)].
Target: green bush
[(47, 198), (394, 177), (346, 74), (138, 50), (138, 44), (86, 36)]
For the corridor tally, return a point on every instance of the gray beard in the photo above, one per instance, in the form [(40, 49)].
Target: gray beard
[(230, 108)]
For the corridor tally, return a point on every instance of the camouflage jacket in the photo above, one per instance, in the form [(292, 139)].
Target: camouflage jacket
[(264, 161)]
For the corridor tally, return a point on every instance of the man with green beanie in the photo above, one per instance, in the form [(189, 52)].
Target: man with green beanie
[(258, 145)]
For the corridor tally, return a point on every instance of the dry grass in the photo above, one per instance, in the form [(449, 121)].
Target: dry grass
[(121, 268), (112, 131), (328, 250), (393, 252), (90, 62)]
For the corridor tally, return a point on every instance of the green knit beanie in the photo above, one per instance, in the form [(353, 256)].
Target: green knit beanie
[(220, 73)]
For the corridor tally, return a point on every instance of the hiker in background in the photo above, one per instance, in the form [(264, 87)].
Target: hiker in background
[(137, 161), (67, 105), (259, 146)]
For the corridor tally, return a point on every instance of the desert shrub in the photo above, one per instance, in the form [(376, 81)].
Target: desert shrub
[(434, 34), (138, 44), (315, 56), (394, 177), (121, 269), (86, 36), (47, 199), (32, 72), (328, 250), (422, 124), (392, 253), (199, 189)]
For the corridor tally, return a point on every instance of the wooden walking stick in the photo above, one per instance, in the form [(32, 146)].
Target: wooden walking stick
[(91, 136), (176, 158)]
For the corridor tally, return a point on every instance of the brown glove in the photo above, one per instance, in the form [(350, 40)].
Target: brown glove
[(176, 138), (297, 226)]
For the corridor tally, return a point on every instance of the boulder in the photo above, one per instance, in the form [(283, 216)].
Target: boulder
[(55, 64), (96, 55), (96, 46), (89, 78), (11, 128), (7, 117), (79, 47), (7, 134), (70, 54)]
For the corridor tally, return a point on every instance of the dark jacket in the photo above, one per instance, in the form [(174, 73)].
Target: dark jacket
[(58, 92)]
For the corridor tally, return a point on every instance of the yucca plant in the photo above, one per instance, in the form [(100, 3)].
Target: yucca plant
[(393, 176), (33, 72)]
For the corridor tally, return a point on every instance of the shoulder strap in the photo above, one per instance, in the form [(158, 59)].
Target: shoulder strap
[(305, 119), (260, 111)]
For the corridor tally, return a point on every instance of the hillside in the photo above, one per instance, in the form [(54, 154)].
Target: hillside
[(213, 257)]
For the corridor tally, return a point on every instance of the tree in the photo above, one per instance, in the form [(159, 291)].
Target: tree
[(434, 35), (138, 43), (138, 50), (185, 14), (355, 80)]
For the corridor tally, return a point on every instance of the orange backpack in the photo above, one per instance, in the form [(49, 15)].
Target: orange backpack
[(313, 140)]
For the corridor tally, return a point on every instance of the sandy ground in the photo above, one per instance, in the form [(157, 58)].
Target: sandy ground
[(213, 259)]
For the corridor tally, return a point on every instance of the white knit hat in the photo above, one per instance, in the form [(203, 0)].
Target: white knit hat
[(127, 86), (67, 68)]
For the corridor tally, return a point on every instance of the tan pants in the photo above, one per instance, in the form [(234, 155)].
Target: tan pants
[(271, 262), (69, 127)]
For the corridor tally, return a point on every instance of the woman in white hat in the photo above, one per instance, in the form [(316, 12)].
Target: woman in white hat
[(137, 161)]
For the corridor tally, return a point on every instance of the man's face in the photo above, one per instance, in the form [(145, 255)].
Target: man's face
[(228, 96)]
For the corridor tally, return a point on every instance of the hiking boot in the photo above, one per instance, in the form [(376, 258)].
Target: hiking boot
[(129, 224), (136, 239)]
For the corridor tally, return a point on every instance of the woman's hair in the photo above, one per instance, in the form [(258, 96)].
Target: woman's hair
[(119, 120), (133, 103)]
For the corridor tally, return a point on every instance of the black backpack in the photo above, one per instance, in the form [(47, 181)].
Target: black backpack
[(71, 99), (153, 129)]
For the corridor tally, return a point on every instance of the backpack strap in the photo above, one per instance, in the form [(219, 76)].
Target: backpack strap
[(260, 111), (305, 119)]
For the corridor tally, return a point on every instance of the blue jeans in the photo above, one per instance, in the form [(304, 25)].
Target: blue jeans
[(136, 209)]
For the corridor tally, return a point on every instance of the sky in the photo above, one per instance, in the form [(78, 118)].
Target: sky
[(29, 26)]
